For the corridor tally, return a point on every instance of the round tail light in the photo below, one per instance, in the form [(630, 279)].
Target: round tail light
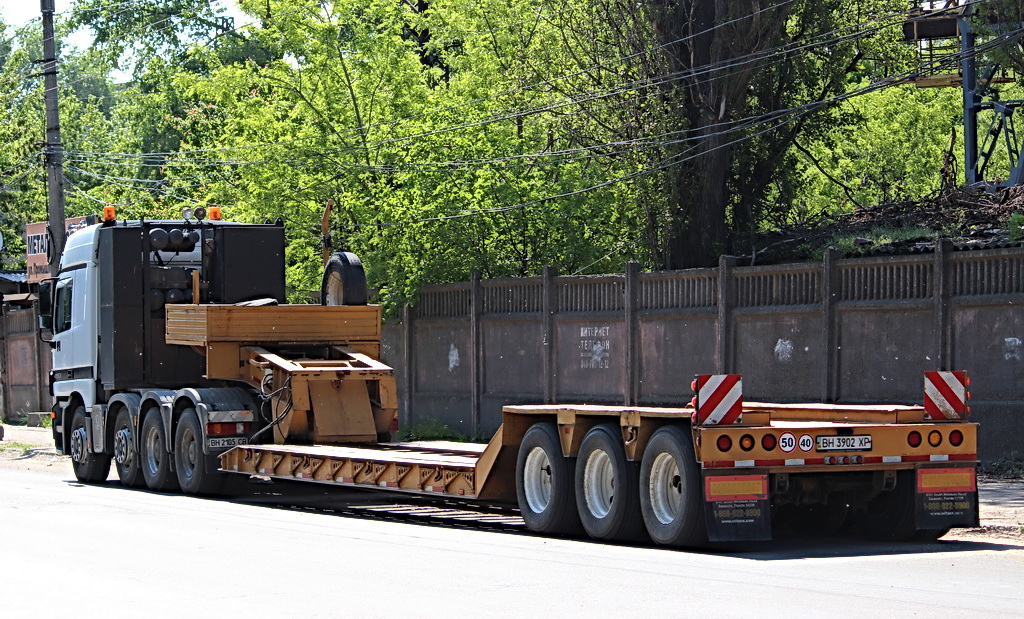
[(956, 438), (935, 438), (914, 439), (724, 443), (746, 442), (768, 442)]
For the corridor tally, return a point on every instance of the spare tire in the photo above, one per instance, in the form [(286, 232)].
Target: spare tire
[(344, 281)]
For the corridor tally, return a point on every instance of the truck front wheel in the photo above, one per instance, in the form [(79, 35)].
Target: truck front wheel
[(156, 462), (89, 467), (544, 483), (670, 495), (606, 487), (196, 474)]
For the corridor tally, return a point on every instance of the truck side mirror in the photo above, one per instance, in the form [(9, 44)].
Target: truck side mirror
[(46, 306)]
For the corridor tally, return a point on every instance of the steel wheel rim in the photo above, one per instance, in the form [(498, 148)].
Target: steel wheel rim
[(153, 453), (334, 291), (666, 488), (122, 447), (537, 480), (78, 444), (599, 483), (188, 455)]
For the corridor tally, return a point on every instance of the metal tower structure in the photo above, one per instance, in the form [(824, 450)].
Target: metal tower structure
[(941, 29)]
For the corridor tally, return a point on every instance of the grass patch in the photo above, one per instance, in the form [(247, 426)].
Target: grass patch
[(879, 238), (1003, 468), (433, 430), (13, 446)]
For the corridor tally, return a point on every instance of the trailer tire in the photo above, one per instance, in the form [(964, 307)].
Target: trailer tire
[(153, 455), (90, 467), (890, 517), (126, 455), (607, 487), (671, 499), (544, 483), (344, 281), (193, 467)]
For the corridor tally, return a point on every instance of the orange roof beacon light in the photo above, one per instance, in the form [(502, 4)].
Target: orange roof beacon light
[(214, 213), (109, 213)]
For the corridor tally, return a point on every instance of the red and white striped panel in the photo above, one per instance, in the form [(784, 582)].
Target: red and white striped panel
[(945, 395), (719, 398)]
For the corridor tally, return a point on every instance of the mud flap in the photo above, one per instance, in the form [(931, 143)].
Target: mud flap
[(946, 497), (737, 507)]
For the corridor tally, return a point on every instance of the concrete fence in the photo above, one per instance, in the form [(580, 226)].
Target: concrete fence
[(851, 330)]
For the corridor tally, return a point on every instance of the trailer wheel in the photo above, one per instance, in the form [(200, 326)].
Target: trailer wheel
[(126, 457), (671, 499), (90, 467), (156, 462), (344, 281), (194, 468), (889, 517), (607, 487), (544, 483)]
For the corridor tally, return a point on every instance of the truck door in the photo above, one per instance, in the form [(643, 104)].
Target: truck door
[(73, 335)]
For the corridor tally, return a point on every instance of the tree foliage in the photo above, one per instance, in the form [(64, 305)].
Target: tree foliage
[(482, 135)]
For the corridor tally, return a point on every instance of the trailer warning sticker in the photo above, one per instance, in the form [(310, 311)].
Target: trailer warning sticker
[(737, 507), (946, 497)]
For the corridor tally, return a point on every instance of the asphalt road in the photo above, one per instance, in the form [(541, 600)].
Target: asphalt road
[(68, 549)]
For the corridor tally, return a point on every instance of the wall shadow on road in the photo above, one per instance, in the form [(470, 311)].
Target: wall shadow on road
[(367, 504)]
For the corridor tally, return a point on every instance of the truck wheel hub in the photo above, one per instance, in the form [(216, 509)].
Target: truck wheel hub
[(79, 441), (122, 442)]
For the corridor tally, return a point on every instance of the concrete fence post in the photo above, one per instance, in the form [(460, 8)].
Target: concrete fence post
[(476, 345), (632, 291), (549, 306), (725, 329), (943, 316), (830, 320)]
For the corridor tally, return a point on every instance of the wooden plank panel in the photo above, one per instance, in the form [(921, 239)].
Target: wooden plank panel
[(192, 325)]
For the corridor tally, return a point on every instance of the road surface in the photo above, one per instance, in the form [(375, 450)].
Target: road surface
[(87, 551)]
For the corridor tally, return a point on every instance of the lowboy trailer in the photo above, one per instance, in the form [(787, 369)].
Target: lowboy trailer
[(176, 357)]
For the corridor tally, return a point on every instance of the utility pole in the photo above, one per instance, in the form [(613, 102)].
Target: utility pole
[(54, 150)]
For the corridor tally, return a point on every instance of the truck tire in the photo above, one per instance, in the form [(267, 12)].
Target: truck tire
[(544, 487), (607, 495), (90, 467), (890, 516), (153, 456), (196, 473), (671, 499), (126, 455), (344, 281)]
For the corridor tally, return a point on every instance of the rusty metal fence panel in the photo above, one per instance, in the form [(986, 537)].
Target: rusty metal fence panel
[(26, 364), (842, 330)]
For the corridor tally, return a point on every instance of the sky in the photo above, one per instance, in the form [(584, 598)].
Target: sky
[(19, 12)]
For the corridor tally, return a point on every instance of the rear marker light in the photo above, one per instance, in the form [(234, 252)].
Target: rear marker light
[(768, 442), (746, 442), (914, 439), (956, 438), (724, 443), (934, 438)]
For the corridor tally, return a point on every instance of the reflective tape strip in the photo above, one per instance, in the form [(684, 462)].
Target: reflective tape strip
[(892, 459), (744, 463), (939, 458), (945, 395), (719, 398), (795, 462)]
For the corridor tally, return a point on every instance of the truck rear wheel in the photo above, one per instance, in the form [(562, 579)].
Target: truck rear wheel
[(89, 467), (544, 487), (671, 500), (126, 456), (196, 474), (155, 460), (606, 487)]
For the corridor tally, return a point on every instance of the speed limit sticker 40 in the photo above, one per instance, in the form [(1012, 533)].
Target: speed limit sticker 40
[(806, 442), (787, 442)]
